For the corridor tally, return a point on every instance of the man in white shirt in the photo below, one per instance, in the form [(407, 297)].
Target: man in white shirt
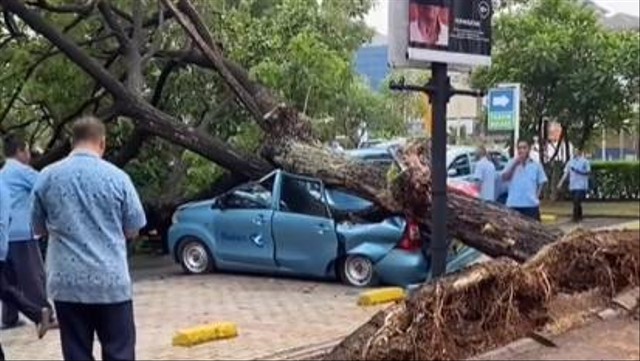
[(485, 174)]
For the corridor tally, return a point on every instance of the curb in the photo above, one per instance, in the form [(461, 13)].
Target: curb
[(630, 226), (592, 215), (306, 352), (201, 334)]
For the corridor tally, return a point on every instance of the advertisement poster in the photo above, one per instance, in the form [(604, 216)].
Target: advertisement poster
[(450, 31)]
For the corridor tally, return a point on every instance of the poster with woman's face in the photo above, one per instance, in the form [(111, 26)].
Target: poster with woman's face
[(429, 22), (456, 32)]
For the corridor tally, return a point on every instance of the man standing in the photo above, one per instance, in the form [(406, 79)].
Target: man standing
[(24, 268), (526, 179), (9, 294), (89, 208), (485, 174), (578, 170)]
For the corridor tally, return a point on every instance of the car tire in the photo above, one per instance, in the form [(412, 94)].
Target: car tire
[(358, 271), (195, 257)]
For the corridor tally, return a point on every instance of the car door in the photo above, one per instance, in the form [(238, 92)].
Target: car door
[(304, 233), (242, 228)]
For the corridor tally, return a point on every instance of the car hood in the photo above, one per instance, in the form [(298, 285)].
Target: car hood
[(198, 204)]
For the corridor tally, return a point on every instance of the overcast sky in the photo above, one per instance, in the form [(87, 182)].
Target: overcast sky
[(377, 18)]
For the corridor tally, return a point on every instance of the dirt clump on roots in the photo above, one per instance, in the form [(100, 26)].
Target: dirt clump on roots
[(491, 304)]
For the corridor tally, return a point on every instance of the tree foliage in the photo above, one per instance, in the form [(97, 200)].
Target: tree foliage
[(302, 49), (572, 69)]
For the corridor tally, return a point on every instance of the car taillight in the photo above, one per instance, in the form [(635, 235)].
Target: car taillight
[(411, 241)]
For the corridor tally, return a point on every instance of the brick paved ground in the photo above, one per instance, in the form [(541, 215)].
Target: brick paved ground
[(272, 315)]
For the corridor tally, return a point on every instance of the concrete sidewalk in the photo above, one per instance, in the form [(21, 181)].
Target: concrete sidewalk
[(615, 339)]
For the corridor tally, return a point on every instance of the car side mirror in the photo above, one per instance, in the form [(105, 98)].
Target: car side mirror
[(452, 172)]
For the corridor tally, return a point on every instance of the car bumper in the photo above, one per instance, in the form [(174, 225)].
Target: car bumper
[(402, 268)]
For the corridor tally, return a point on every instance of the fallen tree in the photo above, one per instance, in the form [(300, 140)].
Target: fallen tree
[(291, 144), (494, 303)]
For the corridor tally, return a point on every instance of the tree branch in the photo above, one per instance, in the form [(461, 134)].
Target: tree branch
[(21, 85), (132, 146), (69, 8), (113, 24), (11, 25), (203, 39), (145, 116)]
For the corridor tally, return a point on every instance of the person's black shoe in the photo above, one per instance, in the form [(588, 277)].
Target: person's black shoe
[(20, 323), (48, 322)]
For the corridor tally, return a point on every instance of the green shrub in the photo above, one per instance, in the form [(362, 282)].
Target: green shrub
[(612, 181)]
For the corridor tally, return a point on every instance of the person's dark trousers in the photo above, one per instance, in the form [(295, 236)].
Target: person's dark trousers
[(25, 271), (10, 295), (1, 353), (531, 212), (578, 197), (112, 323)]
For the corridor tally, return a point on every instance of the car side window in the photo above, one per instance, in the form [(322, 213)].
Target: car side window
[(499, 160), (303, 196), (250, 196), (462, 165)]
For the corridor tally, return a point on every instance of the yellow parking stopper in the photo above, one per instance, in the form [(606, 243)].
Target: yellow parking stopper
[(548, 218), (201, 334), (381, 295)]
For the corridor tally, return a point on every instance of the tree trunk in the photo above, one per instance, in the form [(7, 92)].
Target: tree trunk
[(490, 228)]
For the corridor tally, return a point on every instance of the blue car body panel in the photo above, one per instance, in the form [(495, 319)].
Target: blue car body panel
[(400, 267), (244, 237), (305, 244), (373, 240), (463, 258), (266, 235)]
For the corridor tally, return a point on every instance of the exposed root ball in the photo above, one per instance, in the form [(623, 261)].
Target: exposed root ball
[(491, 304), (584, 260)]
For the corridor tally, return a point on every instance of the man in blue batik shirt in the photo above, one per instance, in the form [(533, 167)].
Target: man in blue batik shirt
[(578, 170), (89, 208), (24, 268), (526, 179)]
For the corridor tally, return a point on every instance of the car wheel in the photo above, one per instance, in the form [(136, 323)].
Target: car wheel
[(195, 257), (358, 271)]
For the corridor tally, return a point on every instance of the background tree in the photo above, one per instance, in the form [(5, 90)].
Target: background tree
[(572, 69)]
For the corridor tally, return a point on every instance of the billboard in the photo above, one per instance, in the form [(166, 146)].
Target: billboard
[(456, 32)]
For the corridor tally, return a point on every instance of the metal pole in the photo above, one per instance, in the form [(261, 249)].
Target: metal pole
[(516, 126), (440, 98)]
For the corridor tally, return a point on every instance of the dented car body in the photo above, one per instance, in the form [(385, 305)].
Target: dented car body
[(289, 224)]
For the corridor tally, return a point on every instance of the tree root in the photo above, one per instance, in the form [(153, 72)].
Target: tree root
[(494, 303)]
